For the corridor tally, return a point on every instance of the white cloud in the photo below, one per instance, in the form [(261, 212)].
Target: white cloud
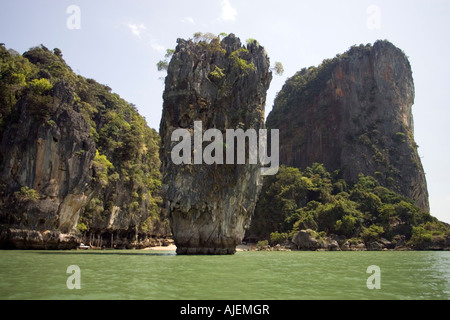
[(188, 19), (136, 29), (140, 31), (156, 46), (228, 12)]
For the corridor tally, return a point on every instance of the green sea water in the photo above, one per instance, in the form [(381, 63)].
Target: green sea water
[(137, 274)]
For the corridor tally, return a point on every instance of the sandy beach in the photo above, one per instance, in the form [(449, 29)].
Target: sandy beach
[(171, 247)]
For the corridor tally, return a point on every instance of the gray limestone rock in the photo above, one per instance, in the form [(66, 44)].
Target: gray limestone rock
[(306, 241), (222, 84), (54, 159)]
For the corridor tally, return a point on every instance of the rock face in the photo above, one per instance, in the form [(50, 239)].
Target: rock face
[(222, 84), (77, 162), (353, 113), (33, 239), (47, 159)]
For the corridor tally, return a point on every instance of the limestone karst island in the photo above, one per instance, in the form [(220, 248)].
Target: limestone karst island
[(79, 164)]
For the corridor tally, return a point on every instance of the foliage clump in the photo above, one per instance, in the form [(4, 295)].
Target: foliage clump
[(101, 165), (27, 194), (212, 43), (218, 73), (240, 62), (315, 199), (308, 81)]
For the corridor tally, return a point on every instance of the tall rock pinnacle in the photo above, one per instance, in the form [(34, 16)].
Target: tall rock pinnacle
[(223, 85)]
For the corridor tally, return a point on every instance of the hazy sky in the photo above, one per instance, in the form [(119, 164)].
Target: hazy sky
[(119, 42)]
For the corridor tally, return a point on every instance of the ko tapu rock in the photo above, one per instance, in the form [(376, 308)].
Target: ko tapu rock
[(223, 85)]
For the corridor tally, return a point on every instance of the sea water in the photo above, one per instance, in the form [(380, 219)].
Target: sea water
[(252, 275)]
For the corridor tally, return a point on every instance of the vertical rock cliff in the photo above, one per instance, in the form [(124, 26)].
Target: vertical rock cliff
[(222, 84), (353, 114), (46, 179), (46, 157), (77, 162)]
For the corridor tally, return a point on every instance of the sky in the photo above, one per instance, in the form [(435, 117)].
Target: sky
[(118, 43)]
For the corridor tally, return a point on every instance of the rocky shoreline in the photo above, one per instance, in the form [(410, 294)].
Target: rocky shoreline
[(25, 239), (306, 240)]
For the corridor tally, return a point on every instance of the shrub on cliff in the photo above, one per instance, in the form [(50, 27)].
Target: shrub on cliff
[(278, 238), (372, 233), (101, 165), (295, 200), (428, 233), (26, 194)]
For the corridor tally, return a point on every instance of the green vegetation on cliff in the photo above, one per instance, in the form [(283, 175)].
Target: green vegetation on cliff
[(356, 116), (126, 165), (212, 43), (309, 81), (318, 200)]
